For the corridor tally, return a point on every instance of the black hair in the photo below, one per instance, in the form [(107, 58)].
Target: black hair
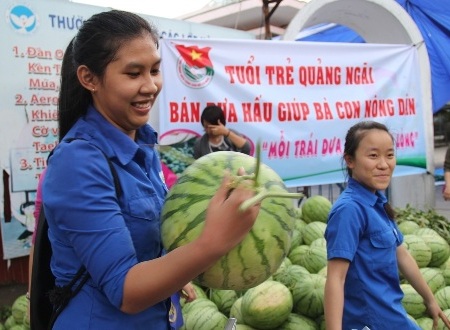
[(95, 45), (213, 114), (352, 140)]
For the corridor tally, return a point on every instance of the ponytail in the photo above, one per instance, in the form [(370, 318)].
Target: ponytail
[(73, 97), (390, 211)]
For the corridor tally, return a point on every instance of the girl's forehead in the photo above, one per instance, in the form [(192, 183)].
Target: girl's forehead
[(377, 138)]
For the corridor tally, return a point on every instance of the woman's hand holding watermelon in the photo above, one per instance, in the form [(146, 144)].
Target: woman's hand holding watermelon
[(225, 224)]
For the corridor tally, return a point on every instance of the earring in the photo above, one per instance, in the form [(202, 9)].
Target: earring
[(93, 90)]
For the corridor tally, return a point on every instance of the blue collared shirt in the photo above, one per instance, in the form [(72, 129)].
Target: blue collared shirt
[(360, 231), (89, 225)]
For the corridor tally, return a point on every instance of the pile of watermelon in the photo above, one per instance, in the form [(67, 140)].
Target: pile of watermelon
[(16, 317), (275, 278), (292, 298)]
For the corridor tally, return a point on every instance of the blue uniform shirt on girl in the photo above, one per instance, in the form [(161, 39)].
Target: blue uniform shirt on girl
[(360, 231), (88, 225)]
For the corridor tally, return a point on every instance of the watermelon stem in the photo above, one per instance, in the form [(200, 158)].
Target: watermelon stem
[(258, 163), (265, 194)]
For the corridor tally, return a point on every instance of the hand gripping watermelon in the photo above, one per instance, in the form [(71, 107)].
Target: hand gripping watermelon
[(261, 252)]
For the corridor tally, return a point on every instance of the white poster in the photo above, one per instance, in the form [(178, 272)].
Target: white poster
[(298, 99)]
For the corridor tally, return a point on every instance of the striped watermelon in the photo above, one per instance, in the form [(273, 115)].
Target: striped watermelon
[(440, 249), (418, 249), (441, 325), (323, 271), (298, 322), (308, 295), (19, 308), (286, 263), (412, 301), (261, 252), (299, 224), (445, 267), (297, 254), (235, 310), (198, 303), (408, 227), (321, 242), (313, 257), (316, 208), (244, 327), (443, 297), (298, 213), (290, 275), (267, 305), (10, 322), (434, 278), (223, 299), (205, 319), (297, 238), (313, 231), (425, 231), (425, 323)]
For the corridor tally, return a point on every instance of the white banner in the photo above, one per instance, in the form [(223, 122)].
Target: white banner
[(297, 98)]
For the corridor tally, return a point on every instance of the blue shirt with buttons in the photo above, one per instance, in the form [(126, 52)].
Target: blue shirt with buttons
[(360, 231), (90, 226)]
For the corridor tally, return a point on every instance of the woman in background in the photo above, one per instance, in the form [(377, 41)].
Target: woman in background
[(364, 244), (217, 136)]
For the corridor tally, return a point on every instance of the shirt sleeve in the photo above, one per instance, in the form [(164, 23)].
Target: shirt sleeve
[(245, 149), (345, 227), (85, 221)]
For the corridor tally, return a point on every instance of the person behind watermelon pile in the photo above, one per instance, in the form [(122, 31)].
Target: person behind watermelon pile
[(110, 79), (364, 244), (217, 136)]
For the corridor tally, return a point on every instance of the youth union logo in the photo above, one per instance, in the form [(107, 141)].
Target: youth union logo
[(194, 67), (22, 19)]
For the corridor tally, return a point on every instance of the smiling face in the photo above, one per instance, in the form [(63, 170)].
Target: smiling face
[(130, 85), (374, 160)]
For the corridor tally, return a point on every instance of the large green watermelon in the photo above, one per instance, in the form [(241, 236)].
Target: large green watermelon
[(205, 319), (443, 297), (316, 208), (299, 322), (261, 252), (223, 299), (19, 308), (266, 306), (412, 301), (308, 295), (418, 249)]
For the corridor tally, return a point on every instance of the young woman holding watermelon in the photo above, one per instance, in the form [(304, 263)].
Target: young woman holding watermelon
[(109, 82), (364, 245)]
